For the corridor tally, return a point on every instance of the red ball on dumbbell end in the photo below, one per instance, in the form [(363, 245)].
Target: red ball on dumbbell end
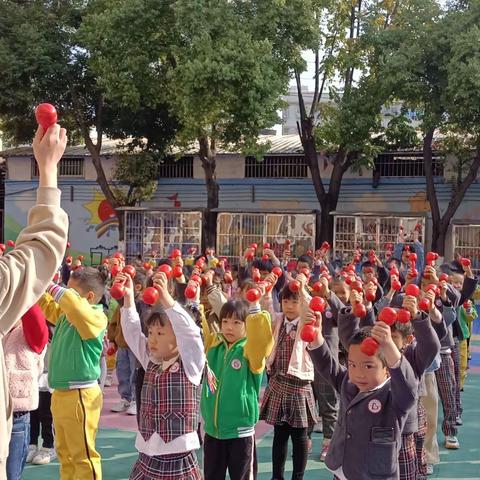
[(177, 271), (467, 305), (69, 244), (394, 271), (305, 271), (317, 304), (325, 246), (265, 258), (424, 304), (359, 310), (253, 295), (115, 270), (130, 270), (388, 315), (249, 256), (369, 346), (465, 262), (118, 290), (357, 286), (147, 266), (443, 277), (150, 296), (277, 271), (431, 257), (166, 269), (254, 246), (191, 291), (370, 296), (10, 243), (118, 255), (433, 288), (176, 253), (2, 247), (308, 333), (403, 316), (412, 290), (46, 115), (318, 287), (413, 273), (68, 260), (412, 258), (294, 286), (266, 245)]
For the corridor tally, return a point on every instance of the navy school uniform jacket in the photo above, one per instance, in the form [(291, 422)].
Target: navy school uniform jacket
[(367, 437), (420, 354)]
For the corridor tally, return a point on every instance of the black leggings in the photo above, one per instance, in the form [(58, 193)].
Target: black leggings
[(280, 448)]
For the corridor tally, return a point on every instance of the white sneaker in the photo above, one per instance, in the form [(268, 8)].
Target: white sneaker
[(108, 381), (121, 406), (32, 450), (452, 443), (132, 409), (429, 470), (44, 456)]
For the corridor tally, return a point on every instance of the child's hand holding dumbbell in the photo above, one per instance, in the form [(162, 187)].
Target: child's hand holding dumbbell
[(160, 282)]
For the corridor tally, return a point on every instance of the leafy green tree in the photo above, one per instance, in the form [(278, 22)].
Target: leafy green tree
[(43, 58), (431, 60), (222, 65)]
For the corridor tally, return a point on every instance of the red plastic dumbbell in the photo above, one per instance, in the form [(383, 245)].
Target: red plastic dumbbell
[(309, 331)]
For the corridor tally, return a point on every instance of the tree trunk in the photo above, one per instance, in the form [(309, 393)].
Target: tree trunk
[(208, 159), (439, 237)]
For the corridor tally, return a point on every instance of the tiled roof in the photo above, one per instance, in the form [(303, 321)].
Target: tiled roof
[(279, 144)]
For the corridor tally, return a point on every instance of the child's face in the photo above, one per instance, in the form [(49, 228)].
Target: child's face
[(365, 372), (233, 329), (162, 342), (87, 294), (291, 308), (399, 340), (456, 279), (301, 265), (342, 291)]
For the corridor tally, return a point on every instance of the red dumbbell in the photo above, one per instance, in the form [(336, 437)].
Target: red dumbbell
[(46, 115), (294, 286), (166, 269), (177, 271), (465, 262), (277, 271), (253, 295)]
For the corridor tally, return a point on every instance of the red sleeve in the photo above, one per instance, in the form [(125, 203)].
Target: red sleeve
[(35, 329)]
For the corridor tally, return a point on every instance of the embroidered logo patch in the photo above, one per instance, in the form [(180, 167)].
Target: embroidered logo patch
[(328, 314), (175, 367), (236, 364), (374, 406), (293, 334), (438, 303)]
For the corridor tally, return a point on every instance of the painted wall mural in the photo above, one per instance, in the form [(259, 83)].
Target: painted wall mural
[(93, 223)]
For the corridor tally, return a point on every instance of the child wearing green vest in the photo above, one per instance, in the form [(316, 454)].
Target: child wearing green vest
[(229, 405), (74, 370)]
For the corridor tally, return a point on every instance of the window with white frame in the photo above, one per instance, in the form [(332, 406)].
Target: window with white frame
[(237, 231), (276, 166), (466, 242), (161, 232), (354, 232), (67, 167)]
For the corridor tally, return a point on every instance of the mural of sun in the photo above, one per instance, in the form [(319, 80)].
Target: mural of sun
[(102, 213)]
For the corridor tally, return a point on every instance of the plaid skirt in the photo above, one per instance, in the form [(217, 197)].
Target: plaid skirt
[(289, 400), (407, 458), (181, 466)]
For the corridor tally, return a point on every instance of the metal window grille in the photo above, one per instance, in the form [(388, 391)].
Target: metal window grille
[(406, 164), (237, 231), (466, 242), (171, 168), (370, 233), (291, 166), (161, 232), (67, 167)]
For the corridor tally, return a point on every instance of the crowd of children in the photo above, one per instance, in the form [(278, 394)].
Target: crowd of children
[(368, 348)]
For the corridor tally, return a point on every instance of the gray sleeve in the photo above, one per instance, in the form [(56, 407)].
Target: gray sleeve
[(404, 386), (328, 366)]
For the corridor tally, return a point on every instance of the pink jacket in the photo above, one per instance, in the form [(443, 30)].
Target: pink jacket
[(23, 364)]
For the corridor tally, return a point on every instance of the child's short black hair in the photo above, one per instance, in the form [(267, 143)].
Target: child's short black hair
[(287, 294), (359, 336), (90, 279), (306, 259), (234, 308), (262, 265), (405, 329), (164, 261), (155, 316), (247, 283), (140, 279)]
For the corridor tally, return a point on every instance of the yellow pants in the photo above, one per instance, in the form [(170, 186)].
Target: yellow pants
[(76, 414), (463, 347)]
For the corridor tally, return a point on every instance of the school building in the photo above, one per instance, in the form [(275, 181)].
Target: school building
[(268, 201)]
